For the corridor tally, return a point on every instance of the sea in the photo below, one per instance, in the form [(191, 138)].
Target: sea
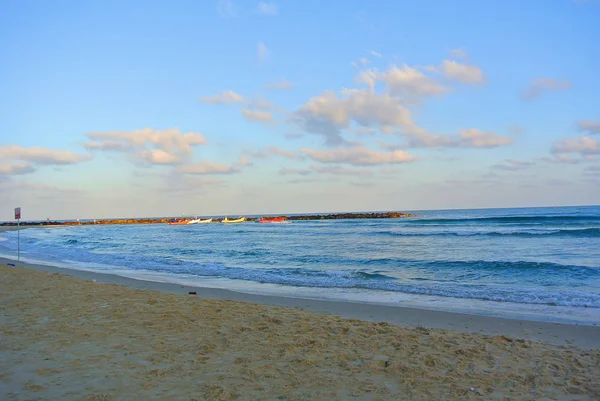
[(527, 263)]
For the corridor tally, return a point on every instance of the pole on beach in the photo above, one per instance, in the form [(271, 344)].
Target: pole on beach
[(18, 218)]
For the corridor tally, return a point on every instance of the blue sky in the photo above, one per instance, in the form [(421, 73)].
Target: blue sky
[(236, 107)]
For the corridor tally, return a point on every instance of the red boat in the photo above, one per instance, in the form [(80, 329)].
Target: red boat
[(178, 223), (280, 219)]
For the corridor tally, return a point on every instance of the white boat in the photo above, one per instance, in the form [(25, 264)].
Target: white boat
[(199, 221)]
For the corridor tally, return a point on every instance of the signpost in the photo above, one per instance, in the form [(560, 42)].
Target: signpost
[(18, 218)]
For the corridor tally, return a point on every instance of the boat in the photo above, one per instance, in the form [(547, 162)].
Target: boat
[(281, 219), (196, 220), (178, 223), (240, 220)]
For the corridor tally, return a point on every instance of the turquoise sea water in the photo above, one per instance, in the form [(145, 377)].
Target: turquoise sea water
[(534, 263)]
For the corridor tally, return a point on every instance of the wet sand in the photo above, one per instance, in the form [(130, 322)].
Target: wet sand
[(66, 337)]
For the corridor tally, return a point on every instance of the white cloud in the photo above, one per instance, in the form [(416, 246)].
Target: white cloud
[(168, 146), (225, 97), (111, 146), (226, 8), (266, 8), (257, 115), (327, 114), (262, 52), (364, 61), (584, 145), (40, 155), (205, 168), (464, 73), (16, 168), (281, 85), (539, 86), (281, 152), (158, 156), (374, 53), (358, 156), (458, 53), (479, 139), (468, 138), (409, 81), (272, 151), (591, 127)]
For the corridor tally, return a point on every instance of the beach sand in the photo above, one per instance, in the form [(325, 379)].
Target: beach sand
[(65, 338)]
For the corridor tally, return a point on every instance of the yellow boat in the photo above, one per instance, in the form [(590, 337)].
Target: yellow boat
[(240, 220)]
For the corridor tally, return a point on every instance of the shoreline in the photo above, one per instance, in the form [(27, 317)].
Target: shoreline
[(581, 336)]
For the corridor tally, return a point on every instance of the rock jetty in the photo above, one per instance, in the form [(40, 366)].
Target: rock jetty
[(335, 216)]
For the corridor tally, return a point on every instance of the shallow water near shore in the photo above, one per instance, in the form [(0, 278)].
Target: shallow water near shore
[(534, 263)]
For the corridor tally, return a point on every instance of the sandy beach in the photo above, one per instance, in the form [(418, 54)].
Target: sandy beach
[(66, 337)]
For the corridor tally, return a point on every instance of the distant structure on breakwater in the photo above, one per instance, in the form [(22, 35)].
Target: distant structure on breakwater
[(335, 216)]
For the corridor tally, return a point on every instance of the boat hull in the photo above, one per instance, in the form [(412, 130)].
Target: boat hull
[(240, 220)]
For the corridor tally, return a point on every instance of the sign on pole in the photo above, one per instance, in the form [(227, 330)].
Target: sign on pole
[(18, 218)]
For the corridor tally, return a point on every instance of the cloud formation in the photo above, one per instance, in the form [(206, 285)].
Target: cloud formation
[(257, 115), (268, 8), (168, 146), (468, 74), (474, 138), (583, 145), (359, 156), (539, 86), (205, 168), (407, 81), (16, 168), (40, 155), (225, 97), (591, 127), (274, 150), (328, 113)]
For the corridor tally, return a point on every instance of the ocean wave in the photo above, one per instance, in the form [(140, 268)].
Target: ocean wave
[(590, 232), (510, 219), (377, 281)]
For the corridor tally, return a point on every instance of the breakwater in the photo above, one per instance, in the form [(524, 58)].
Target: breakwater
[(164, 220)]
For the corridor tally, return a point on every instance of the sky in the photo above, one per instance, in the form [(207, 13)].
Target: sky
[(233, 107)]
